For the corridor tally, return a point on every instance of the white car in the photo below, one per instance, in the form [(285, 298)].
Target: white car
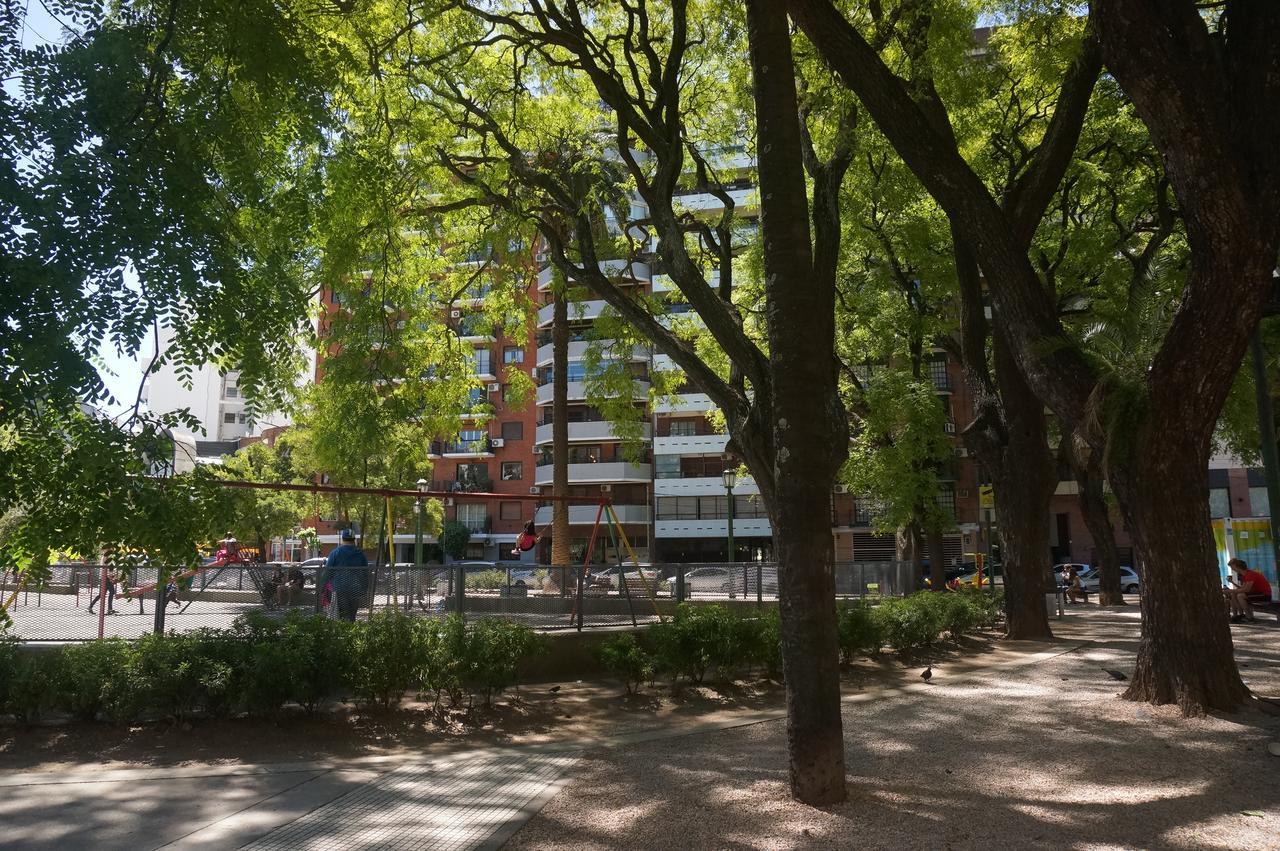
[(1130, 583)]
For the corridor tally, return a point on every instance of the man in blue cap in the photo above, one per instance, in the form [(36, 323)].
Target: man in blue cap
[(347, 572)]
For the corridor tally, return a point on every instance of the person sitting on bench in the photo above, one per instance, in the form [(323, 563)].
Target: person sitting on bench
[(1075, 589), (291, 586), (1245, 587)]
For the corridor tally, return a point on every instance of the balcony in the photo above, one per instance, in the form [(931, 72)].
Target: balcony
[(699, 202), (693, 444), (585, 515), (600, 430), (578, 312), (702, 486), (619, 270), (480, 526), (687, 403), (578, 391), (751, 527), (601, 472), (578, 351), (470, 485), (664, 284), (482, 448)]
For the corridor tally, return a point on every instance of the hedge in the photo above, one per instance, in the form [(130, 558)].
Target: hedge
[(261, 665)]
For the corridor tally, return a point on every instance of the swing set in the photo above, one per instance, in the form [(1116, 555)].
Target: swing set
[(605, 514)]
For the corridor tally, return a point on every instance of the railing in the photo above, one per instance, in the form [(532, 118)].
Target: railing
[(540, 595), (462, 447), (474, 485)]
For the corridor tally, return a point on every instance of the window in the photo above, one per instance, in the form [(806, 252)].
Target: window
[(938, 373), (684, 428), (513, 430), (232, 392), (713, 507), (481, 361), (666, 466), (677, 508), (474, 516), (947, 500), (1259, 502), (1219, 503), (512, 471), (513, 354), (509, 510), (228, 418), (240, 418), (469, 434), (588, 454)]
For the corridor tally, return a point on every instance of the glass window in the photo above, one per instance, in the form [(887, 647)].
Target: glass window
[(1259, 502), (684, 428), (473, 515), (513, 430), (228, 418), (481, 360), (233, 392), (513, 354), (1219, 503), (713, 507), (509, 510), (469, 434), (588, 454), (666, 466), (512, 471)]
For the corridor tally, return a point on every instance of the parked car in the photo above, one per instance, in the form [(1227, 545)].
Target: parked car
[(1130, 582), (704, 580), (610, 574), (971, 577)]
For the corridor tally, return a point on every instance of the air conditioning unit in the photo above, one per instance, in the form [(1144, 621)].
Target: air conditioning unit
[(455, 314), (448, 502), (535, 490), (962, 493), (495, 387), (606, 489), (841, 489), (495, 442), (962, 452)]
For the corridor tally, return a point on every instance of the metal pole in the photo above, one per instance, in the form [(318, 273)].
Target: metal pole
[(729, 491), (1267, 431), (759, 585)]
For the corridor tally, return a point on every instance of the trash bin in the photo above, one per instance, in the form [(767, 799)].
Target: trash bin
[(1053, 604)]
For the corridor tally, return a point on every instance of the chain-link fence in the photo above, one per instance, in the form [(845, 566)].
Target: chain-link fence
[(68, 608)]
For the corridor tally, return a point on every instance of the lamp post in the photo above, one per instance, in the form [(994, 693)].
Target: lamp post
[(417, 519), (730, 478)]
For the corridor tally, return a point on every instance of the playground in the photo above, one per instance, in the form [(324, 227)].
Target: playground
[(1010, 745)]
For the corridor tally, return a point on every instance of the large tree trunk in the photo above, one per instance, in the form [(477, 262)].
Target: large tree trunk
[(1024, 483), (810, 433), (1097, 517), (937, 559), (1185, 655), (907, 547), (560, 426)]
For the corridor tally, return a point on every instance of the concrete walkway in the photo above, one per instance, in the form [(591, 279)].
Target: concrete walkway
[(446, 799)]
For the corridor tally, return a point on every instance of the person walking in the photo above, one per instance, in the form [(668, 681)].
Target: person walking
[(346, 571), (113, 577)]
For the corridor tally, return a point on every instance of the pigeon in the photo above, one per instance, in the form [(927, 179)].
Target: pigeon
[(1115, 675), (554, 689), (927, 674)]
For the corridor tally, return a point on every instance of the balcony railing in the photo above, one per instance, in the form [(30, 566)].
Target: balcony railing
[(482, 446), (472, 485), (483, 525)]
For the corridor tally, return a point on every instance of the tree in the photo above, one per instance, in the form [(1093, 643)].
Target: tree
[(1207, 89), (453, 539), (260, 515)]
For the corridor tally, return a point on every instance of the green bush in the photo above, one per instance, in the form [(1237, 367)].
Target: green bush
[(860, 631), (486, 580), (910, 623), (8, 665), (624, 657), (701, 638), (303, 661), (31, 684), (770, 647), (384, 657), (88, 676), (496, 649), (988, 607), (174, 675)]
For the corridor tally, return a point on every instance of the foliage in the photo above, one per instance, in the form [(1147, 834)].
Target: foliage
[(859, 629), (30, 684), (624, 657), (259, 515), (384, 656), (909, 623), (303, 659), (87, 674), (496, 649), (454, 538)]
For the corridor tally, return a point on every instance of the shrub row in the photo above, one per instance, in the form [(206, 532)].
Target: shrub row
[(261, 664), (705, 639)]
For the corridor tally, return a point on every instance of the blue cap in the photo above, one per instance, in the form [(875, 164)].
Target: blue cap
[(348, 534)]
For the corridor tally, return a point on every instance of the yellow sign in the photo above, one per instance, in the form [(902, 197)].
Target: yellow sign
[(986, 496)]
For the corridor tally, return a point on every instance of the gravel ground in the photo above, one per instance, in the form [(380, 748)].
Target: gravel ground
[(1041, 756)]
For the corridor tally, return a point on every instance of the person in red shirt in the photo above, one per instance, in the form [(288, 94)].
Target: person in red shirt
[(1245, 586)]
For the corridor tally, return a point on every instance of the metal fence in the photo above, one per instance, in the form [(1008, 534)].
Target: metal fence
[(66, 608)]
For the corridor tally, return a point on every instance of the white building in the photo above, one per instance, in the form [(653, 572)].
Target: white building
[(212, 396)]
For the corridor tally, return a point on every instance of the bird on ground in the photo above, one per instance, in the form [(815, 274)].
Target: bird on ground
[(554, 689), (1115, 675), (927, 674)]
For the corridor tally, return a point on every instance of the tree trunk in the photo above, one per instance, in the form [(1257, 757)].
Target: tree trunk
[(907, 547), (560, 426), (810, 433), (1097, 517), (1185, 655), (937, 559), (1024, 482)]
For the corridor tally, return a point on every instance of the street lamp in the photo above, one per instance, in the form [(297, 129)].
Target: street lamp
[(730, 478), (417, 519)]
